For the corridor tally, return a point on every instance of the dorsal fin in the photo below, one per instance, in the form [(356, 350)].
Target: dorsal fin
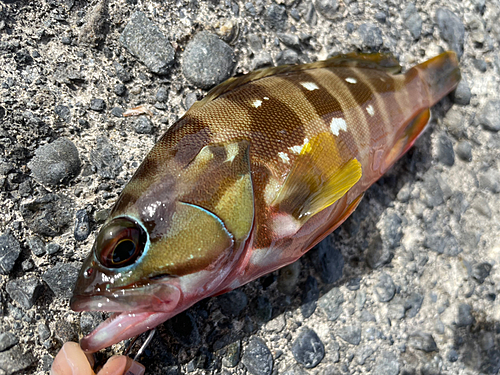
[(381, 61)]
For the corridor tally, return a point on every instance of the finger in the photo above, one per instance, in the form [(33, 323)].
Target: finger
[(71, 360), (134, 368), (120, 365)]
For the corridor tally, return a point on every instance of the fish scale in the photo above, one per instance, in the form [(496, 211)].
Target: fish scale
[(249, 179)]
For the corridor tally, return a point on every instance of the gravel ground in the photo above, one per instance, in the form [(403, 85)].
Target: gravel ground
[(407, 285)]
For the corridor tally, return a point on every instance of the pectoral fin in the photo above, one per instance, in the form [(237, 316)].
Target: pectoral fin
[(318, 179)]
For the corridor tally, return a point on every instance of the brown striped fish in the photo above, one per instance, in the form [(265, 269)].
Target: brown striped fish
[(249, 179)]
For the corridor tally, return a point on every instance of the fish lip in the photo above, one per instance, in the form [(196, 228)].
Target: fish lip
[(151, 297)]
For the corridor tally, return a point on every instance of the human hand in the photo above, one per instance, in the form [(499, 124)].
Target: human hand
[(71, 360)]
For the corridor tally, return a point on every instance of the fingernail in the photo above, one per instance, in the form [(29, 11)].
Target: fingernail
[(135, 368)]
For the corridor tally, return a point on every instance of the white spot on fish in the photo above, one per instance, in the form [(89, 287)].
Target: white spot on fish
[(99, 305), (310, 85), (338, 124), (284, 157), (285, 226), (370, 110), (257, 103), (297, 149), (351, 80), (266, 98), (232, 151)]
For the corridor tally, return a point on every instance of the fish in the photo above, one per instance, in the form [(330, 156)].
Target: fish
[(249, 179)]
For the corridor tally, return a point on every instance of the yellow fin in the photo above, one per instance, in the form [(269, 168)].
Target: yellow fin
[(319, 177)]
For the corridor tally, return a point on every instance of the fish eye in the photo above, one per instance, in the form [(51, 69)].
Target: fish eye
[(120, 243)]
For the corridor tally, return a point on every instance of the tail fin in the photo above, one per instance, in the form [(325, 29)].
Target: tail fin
[(441, 73)]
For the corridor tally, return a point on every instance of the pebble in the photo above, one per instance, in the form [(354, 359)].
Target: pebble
[(207, 60), (287, 57), (143, 39), (56, 163), (13, 360), (117, 112), (490, 180), (310, 16), (385, 288), (328, 262), (463, 150), (63, 112), (480, 65), (7, 341), (413, 303), (377, 254), (370, 35), (390, 229), (482, 207), (310, 296), (257, 357), (37, 246), (451, 29), (331, 303), (143, 125), (9, 252), (233, 303), (104, 157), (48, 215), (185, 329), (412, 20), (61, 278), (350, 334), (308, 349), (24, 291), (119, 89), (255, 42), (191, 98), (162, 95), (262, 60), (431, 194), (464, 316), (443, 150), (82, 225), (462, 94), (65, 331), (262, 309), (97, 104), (364, 353), (232, 354), (455, 123), (452, 355), (53, 248), (43, 331), (289, 40), (381, 17), (327, 8), (422, 341), (276, 17), (121, 73), (489, 117), (480, 271), (288, 277), (387, 364), (27, 265)]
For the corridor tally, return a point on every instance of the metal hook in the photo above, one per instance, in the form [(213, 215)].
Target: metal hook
[(143, 346)]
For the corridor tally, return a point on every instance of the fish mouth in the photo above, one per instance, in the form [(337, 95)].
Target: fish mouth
[(153, 297)]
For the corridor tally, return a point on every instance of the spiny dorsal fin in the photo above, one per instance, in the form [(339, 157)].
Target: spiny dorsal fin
[(381, 61), (318, 179)]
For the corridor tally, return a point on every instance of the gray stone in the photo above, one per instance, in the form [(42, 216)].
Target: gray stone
[(310, 296), (117, 112), (464, 151), (412, 19), (328, 262), (119, 89), (443, 150), (387, 363), (364, 353), (143, 39), (350, 334), (396, 311), (24, 291), (162, 95), (232, 354), (257, 357), (287, 57), (37, 246), (122, 73), (432, 194), (390, 229), (56, 163), (310, 15), (452, 355), (143, 125), (61, 278), (207, 60), (255, 42), (331, 303), (464, 315), (82, 225), (480, 65), (63, 112), (385, 288), (413, 304), (7, 341), (233, 303), (370, 35), (276, 17), (442, 242), (490, 180), (455, 123), (462, 94), (489, 117), (381, 17), (288, 277), (451, 29), (43, 331), (480, 271), (308, 349), (104, 157), (289, 40), (9, 252), (53, 248), (262, 309), (422, 341), (262, 60), (191, 98), (97, 104), (327, 8), (65, 331), (14, 360), (482, 207)]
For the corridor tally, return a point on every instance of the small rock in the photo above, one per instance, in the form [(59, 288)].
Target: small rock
[(490, 116), (364, 353), (482, 207), (390, 229), (262, 60), (48, 215), (480, 271), (289, 40), (464, 316), (452, 355), (289, 277), (9, 252), (24, 291), (308, 349), (452, 30), (310, 16), (385, 288), (95, 29), (327, 8), (464, 150), (104, 157), (56, 163), (14, 360), (443, 150), (65, 331), (413, 21), (386, 363), (37, 246), (350, 334), (162, 95), (82, 225), (377, 254), (255, 42), (53, 248), (480, 65), (490, 180), (331, 303), (233, 303), (257, 357), (184, 328), (422, 341), (462, 94), (43, 331), (207, 60), (328, 262), (396, 311), (61, 278), (143, 125), (117, 112), (276, 16), (413, 304), (191, 98), (262, 308), (232, 354), (442, 243), (309, 297), (63, 112), (97, 104), (455, 122), (27, 265), (370, 35), (121, 72), (287, 57), (119, 89), (381, 17), (7, 341), (143, 39), (432, 194)]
